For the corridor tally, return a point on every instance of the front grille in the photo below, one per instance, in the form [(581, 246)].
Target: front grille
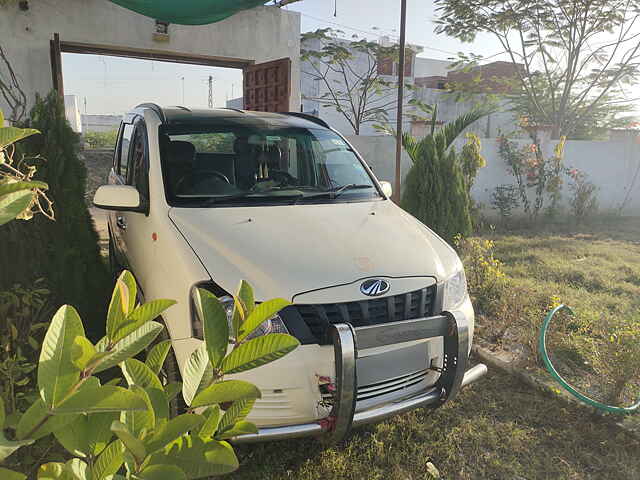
[(406, 306), (367, 392)]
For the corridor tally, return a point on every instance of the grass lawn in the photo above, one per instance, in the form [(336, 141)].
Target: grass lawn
[(499, 428)]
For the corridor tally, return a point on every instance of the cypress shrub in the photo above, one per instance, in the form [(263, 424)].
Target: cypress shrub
[(435, 189), (64, 252)]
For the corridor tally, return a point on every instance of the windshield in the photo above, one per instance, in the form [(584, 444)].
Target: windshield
[(214, 165)]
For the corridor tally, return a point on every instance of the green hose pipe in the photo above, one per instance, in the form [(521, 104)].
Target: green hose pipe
[(542, 348)]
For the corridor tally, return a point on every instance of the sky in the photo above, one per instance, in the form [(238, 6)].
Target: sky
[(114, 85)]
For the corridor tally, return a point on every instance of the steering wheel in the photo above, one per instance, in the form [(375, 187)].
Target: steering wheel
[(180, 183)]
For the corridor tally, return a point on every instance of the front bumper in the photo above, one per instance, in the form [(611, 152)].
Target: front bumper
[(454, 328)]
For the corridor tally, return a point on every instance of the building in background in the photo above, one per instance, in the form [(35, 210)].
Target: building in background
[(100, 123), (72, 112)]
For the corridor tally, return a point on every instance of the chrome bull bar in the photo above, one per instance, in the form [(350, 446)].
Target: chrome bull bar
[(453, 327)]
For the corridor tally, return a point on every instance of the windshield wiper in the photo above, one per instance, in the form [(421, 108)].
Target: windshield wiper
[(349, 186), (250, 196)]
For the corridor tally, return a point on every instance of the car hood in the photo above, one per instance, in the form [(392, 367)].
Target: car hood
[(286, 250)]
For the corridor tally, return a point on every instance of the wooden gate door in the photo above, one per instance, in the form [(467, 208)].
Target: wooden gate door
[(267, 86)]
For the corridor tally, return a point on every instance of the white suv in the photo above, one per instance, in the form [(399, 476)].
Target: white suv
[(208, 198)]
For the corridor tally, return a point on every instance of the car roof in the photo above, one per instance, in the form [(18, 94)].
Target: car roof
[(178, 115)]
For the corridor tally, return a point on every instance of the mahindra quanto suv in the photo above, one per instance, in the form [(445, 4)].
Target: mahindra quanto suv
[(207, 198)]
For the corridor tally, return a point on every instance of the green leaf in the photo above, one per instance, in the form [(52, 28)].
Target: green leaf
[(57, 373), (244, 303), (14, 204), (198, 373), (51, 470), (130, 345), (109, 461), (11, 475), (87, 434), (162, 472), (140, 316), (9, 135), (160, 405), (172, 430), (122, 303), (236, 413), (240, 428), (259, 351), (216, 328), (77, 469), (156, 357), (136, 421), (7, 447), (3, 413), (82, 353), (260, 313), (226, 391), (101, 399), (198, 458), (137, 373), (35, 417), (130, 442), (6, 188), (209, 427)]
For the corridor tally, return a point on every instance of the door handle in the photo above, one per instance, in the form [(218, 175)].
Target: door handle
[(121, 223)]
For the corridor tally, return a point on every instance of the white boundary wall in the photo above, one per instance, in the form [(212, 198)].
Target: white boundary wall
[(610, 165), (261, 34)]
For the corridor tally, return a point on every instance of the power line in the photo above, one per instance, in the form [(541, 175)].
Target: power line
[(210, 91)]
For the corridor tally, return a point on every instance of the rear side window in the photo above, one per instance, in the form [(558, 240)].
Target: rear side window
[(123, 158), (219, 142)]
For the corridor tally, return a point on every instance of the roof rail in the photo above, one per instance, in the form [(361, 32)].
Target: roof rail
[(307, 116), (234, 109), (182, 108), (156, 108)]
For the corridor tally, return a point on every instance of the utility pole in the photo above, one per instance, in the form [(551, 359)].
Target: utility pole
[(403, 24), (210, 91), (183, 91)]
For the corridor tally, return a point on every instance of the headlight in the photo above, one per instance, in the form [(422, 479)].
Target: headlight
[(455, 291), (271, 325)]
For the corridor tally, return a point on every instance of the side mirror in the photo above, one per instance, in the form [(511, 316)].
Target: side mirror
[(387, 189), (117, 197)]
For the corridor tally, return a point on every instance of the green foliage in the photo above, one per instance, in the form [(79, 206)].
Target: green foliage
[(571, 60), (116, 432), (504, 199), (101, 139), (583, 200), (361, 95), (436, 191), (66, 251)]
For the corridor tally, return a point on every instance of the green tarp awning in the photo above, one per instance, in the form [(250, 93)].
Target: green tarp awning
[(189, 12)]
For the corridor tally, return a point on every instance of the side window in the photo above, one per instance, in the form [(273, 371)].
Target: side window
[(138, 162), (125, 141)]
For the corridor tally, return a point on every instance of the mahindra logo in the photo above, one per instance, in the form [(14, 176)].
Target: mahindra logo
[(375, 287)]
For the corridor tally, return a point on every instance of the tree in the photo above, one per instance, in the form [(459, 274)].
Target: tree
[(65, 252), (351, 75), (436, 191), (573, 58)]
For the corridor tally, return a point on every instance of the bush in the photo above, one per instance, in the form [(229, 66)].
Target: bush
[(64, 252), (115, 432), (101, 139), (436, 190), (583, 201)]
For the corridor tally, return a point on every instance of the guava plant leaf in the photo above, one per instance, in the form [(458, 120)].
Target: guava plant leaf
[(51, 470), (11, 475), (198, 458), (160, 405), (243, 305), (209, 427), (226, 391), (260, 313), (87, 434), (109, 461), (172, 390), (32, 422), (197, 374), (131, 443), (57, 373), (216, 328), (137, 373), (6, 188), (101, 399), (139, 316), (239, 428), (9, 135), (157, 355), (138, 420), (129, 346), (7, 447), (162, 472), (77, 469), (13, 204), (236, 413), (172, 430), (82, 352), (259, 351), (123, 301)]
